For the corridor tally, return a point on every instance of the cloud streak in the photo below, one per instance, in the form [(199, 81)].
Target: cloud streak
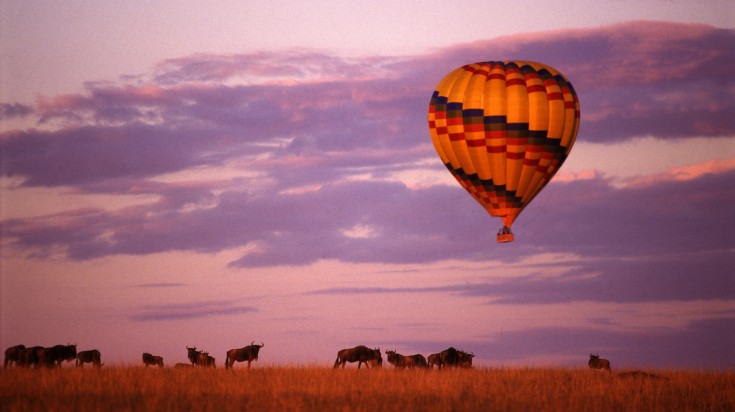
[(184, 311), (14, 110)]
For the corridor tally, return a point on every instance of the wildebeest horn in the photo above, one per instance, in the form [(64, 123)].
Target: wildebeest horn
[(262, 344), (252, 343)]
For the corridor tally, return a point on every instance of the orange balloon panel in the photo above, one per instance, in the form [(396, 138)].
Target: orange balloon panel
[(503, 129)]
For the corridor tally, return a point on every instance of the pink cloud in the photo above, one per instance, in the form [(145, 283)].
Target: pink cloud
[(685, 173), (565, 177)]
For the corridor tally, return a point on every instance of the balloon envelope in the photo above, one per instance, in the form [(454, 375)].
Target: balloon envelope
[(503, 129)]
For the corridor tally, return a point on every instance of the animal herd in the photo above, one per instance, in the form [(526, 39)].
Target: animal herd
[(50, 356), (449, 358), (39, 356)]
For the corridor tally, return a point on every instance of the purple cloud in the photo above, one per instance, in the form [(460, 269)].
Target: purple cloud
[(10, 111), (616, 280), (190, 311), (703, 344), (161, 285), (587, 217)]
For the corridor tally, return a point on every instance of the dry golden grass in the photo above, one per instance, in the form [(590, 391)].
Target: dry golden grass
[(323, 389)]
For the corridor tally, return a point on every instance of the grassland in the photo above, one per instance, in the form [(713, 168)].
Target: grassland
[(279, 388)]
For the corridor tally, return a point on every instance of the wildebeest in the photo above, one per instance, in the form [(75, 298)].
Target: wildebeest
[(89, 356), (596, 362), (194, 355), (465, 359), (29, 356), (200, 358), (434, 359), (248, 353), (401, 361), (149, 359), (449, 358), (12, 354), (360, 354), (53, 356), (203, 359), (183, 365), (191, 353)]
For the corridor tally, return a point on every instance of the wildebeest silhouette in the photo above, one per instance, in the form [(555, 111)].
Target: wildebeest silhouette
[(248, 353), (200, 358), (92, 356), (54, 355), (434, 359), (449, 357), (465, 359), (360, 354), (149, 359), (596, 362), (191, 353), (410, 362), (29, 356), (12, 355), (205, 360)]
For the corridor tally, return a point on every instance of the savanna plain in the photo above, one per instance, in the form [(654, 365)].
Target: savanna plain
[(320, 388)]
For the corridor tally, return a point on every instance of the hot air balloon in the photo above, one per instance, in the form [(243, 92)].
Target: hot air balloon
[(503, 129)]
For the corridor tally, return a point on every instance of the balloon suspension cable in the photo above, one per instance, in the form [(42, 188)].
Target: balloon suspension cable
[(505, 235)]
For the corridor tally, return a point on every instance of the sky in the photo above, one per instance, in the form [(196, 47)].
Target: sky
[(181, 174)]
